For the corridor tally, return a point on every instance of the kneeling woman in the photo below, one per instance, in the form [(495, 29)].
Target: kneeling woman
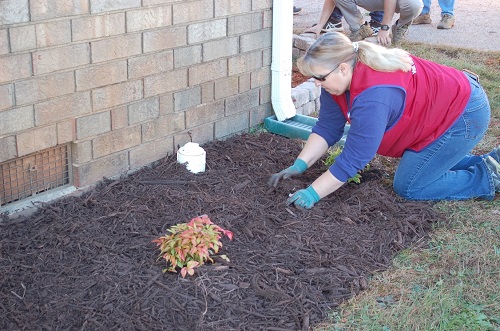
[(398, 105)]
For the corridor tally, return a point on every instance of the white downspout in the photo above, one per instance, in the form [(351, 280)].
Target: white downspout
[(281, 65)]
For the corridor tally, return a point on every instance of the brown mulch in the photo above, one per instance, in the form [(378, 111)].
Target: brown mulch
[(87, 262), (297, 77)]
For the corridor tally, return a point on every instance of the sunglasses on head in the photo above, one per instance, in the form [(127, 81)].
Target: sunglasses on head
[(323, 78)]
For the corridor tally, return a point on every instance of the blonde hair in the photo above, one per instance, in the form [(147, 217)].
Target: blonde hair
[(334, 48)]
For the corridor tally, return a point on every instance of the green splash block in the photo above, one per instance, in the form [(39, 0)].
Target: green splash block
[(297, 127)]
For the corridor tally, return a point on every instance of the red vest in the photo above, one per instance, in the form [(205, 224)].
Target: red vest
[(436, 96)]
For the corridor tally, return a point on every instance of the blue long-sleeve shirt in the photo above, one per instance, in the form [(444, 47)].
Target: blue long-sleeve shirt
[(374, 111)]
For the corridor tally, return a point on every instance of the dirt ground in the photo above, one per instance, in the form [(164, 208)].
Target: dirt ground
[(87, 262)]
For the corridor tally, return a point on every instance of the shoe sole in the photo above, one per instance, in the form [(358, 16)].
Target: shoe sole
[(444, 27), (421, 22)]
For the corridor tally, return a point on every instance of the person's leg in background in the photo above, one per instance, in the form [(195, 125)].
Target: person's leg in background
[(425, 15), (447, 14), (375, 19), (360, 29), (408, 11), (334, 22)]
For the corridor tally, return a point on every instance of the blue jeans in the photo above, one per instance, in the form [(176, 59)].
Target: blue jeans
[(446, 6), (336, 15), (445, 170)]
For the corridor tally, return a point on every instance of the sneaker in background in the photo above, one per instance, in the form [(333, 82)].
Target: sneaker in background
[(363, 32), (422, 19), (296, 10), (375, 27), (494, 168), (447, 21), (333, 25)]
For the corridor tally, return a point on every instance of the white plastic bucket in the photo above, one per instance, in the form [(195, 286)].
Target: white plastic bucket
[(194, 156)]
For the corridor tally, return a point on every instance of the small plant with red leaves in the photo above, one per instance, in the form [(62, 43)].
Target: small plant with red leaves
[(190, 245)]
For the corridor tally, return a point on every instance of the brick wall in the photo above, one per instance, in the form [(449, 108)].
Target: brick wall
[(127, 81)]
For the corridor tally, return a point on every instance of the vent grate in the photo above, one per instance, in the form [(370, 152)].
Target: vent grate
[(39, 172)]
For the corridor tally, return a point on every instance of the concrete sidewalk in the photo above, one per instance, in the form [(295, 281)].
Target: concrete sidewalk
[(477, 24)]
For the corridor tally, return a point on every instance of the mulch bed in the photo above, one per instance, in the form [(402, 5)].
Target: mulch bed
[(87, 262), (297, 77)]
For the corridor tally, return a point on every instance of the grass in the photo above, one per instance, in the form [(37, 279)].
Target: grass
[(450, 281)]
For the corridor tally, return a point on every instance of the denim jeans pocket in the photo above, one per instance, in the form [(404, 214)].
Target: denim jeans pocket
[(476, 115)]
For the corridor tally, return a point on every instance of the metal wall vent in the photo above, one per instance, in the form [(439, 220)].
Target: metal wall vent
[(29, 175)]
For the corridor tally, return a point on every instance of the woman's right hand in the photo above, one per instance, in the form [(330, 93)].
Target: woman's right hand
[(296, 169)]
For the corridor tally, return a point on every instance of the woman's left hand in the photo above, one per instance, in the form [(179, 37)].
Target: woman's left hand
[(305, 198)]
